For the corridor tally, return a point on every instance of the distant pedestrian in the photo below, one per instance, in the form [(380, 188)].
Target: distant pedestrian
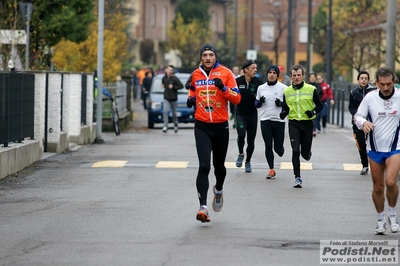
[(148, 79), (283, 78), (312, 79), (356, 96), (327, 95), (171, 85), (212, 86), (378, 116), (140, 76), (397, 84), (246, 113), (301, 103), (269, 103)]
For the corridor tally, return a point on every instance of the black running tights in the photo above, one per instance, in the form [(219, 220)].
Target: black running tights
[(301, 136), (273, 133), (210, 138), (246, 124), (361, 144)]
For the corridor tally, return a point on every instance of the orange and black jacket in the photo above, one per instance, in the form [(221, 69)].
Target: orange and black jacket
[(211, 103)]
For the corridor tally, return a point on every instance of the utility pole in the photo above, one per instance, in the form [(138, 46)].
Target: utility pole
[(329, 46), (309, 38), (26, 10), (28, 28), (236, 33), (252, 26), (391, 15), (329, 54), (100, 54), (289, 61)]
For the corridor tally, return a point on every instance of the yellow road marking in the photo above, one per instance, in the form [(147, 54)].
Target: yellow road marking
[(111, 164), (165, 164), (231, 165), (352, 167), (303, 166)]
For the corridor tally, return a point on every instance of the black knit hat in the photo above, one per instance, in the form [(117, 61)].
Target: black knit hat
[(208, 47), (247, 63), (273, 67)]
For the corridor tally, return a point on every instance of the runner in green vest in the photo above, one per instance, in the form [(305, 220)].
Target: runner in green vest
[(301, 103)]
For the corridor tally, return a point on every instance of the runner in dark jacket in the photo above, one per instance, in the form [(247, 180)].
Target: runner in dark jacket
[(356, 96), (246, 112)]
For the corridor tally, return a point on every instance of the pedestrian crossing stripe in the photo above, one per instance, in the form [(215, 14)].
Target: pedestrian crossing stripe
[(352, 167), (289, 166), (229, 165), (171, 164), (109, 164)]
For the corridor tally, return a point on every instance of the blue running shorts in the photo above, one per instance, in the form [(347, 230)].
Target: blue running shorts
[(380, 157)]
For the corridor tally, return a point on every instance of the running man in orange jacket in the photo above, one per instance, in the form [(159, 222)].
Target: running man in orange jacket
[(211, 88)]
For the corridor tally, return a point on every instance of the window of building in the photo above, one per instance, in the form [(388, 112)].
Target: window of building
[(303, 33), (153, 16), (164, 23), (267, 32)]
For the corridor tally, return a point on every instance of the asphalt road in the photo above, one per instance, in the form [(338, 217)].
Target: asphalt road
[(132, 201)]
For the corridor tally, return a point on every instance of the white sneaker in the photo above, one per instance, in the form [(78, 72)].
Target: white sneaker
[(218, 201), (364, 171), (381, 227), (164, 129), (393, 223)]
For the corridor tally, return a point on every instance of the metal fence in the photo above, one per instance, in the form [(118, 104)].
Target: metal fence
[(339, 114), (116, 89), (17, 95)]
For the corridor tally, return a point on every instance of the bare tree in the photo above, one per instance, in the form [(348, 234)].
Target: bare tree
[(281, 24), (280, 16)]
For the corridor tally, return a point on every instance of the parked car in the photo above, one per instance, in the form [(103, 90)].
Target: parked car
[(156, 98)]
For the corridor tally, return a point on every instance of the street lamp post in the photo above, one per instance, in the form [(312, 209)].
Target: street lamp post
[(100, 55)]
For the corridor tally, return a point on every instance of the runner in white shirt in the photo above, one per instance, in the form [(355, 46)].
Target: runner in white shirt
[(269, 101), (378, 116)]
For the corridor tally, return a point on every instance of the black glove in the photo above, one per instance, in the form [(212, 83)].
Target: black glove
[(218, 83), (310, 113), (190, 102), (278, 102), (262, 99), (282, 115)]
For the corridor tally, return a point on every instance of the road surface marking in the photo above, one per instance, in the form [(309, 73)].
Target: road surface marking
[(231, 165), (110, 164), (303, 166), (171, 164), (352, 167)]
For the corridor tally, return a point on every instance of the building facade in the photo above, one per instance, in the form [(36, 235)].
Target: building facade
[(150, 23), (263, 26)]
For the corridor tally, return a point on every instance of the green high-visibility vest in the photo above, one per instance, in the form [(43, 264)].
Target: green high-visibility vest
[(299, 101)]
